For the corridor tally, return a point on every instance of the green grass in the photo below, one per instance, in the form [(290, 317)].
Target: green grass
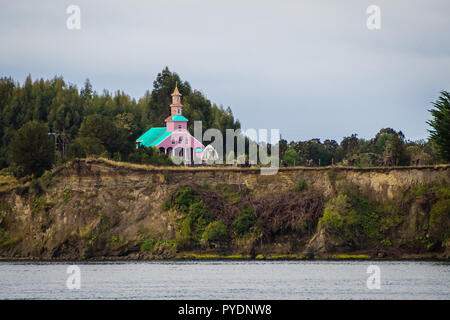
[(350, 256)]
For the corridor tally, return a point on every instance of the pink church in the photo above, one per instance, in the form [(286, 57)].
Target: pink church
[(174, 138)]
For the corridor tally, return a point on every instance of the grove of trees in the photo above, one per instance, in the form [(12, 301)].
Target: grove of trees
[(90, 123), (46, 122), (389, 147)]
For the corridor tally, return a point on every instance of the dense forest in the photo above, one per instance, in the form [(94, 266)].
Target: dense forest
[(48, 122), (85, 122), (388, 148)]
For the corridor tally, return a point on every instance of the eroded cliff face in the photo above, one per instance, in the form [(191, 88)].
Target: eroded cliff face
[(96, 208)]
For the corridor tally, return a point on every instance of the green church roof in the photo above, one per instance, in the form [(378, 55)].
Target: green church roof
[(153, 137), (179, 118)]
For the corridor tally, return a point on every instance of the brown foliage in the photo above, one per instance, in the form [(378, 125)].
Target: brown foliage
[(289, 211), (277, 213)]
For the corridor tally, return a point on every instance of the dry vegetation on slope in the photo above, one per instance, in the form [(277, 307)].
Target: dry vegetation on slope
[(98, 208)]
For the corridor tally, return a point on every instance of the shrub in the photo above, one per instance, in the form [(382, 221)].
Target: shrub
[(184, 198), (46, 179), (440, 220), (113, 240), (244, 221), (83, 147), (196, 217), (228, 193), (350, 217), (291, 157), (150, 156), (183, 238), (204, 186), (117, 156), (301, 186), (200, 218), (166, 205), (215, 232), (39, 206), (66, 194), (148, 244), (35, 187), (332, 220), (389, 213)]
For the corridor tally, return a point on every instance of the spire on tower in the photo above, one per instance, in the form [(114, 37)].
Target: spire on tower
[(176, 99), (176, 92)]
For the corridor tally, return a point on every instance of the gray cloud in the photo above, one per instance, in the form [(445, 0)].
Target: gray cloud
[(310, 68)]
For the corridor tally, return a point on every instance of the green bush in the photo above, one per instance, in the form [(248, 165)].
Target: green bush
[(184, 198), (35, 187), (150, 156), (291, 157), (39, 206), (351, 217), (46, 179), (200, 218), (113, 240), (244, 221), (228, 193), (196, 217), (301, 186), (215, 232), (184, 238), (332, 220), (440, 220), (166, 205), (389, 216), (148, 244), (67, 194), (204, 186), (83, 147)]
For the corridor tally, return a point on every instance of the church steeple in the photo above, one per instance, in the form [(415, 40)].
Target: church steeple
[(176, 108), (176, 97)]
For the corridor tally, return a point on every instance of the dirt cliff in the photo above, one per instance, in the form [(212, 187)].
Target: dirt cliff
[(97, 208)]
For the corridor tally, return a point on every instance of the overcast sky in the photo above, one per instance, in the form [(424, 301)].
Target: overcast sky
[(310, 68)]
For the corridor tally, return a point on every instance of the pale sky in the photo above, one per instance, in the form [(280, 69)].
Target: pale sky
[(309, 68)]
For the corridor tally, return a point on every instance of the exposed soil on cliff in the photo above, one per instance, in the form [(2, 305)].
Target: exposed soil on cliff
[(95, 209)]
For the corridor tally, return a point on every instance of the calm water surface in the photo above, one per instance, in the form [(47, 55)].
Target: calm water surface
[(226, 280)]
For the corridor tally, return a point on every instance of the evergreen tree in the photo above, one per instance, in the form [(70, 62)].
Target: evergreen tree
[(32, 150), (441, 124)]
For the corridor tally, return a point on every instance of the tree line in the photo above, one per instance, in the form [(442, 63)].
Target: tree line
[(48, 122), (388, 148), (84, 122)]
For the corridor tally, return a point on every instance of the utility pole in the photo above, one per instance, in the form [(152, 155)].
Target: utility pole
[(55, 136)]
